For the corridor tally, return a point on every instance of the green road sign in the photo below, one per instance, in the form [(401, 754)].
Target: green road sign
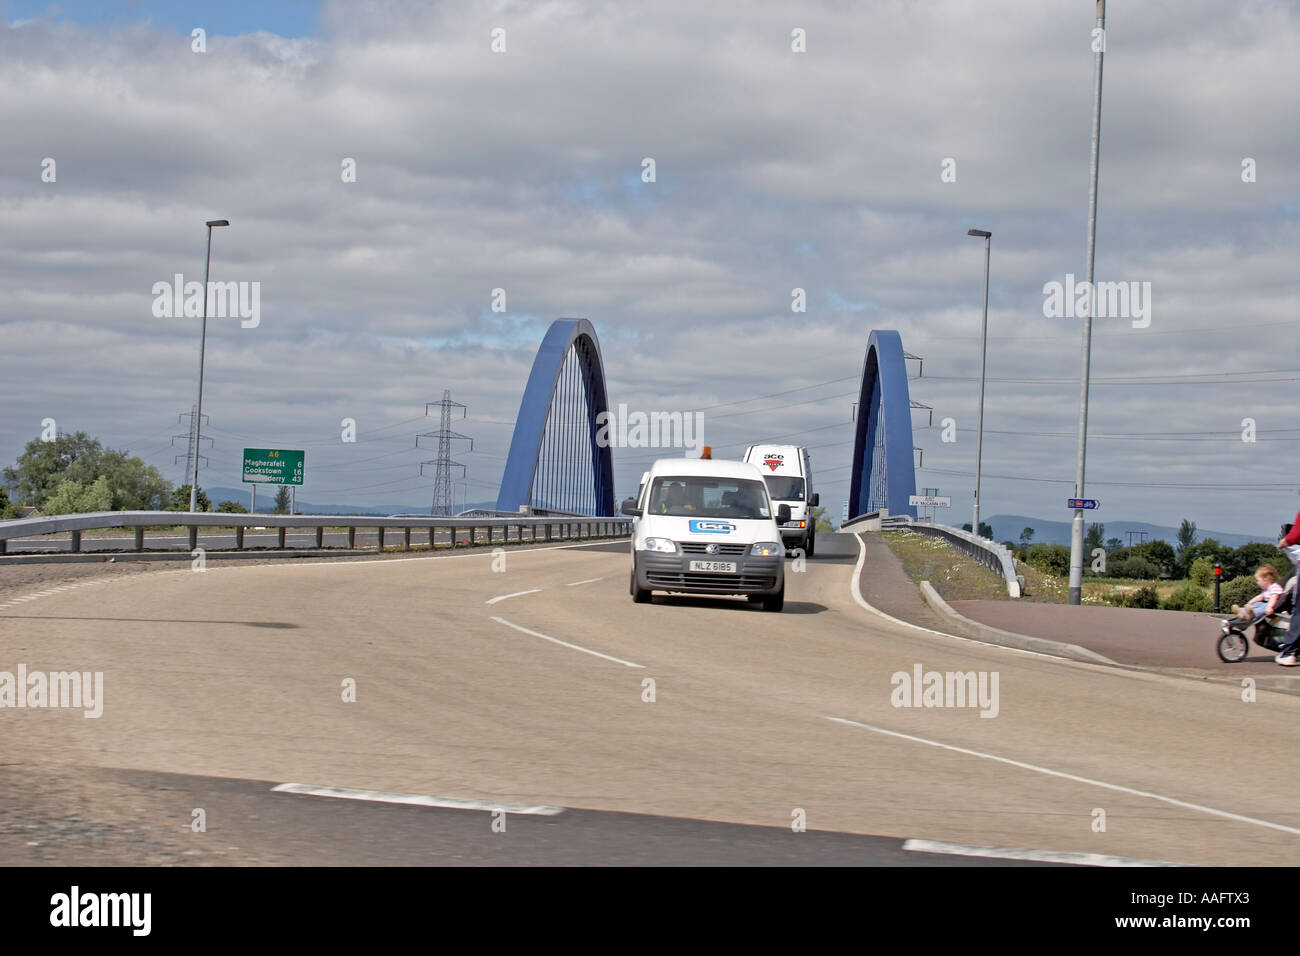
[(272, 466)]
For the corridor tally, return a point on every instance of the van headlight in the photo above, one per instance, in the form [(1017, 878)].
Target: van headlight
[(660, 544), (764, 549)]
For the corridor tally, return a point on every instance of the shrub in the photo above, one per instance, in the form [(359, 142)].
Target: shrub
[(1188, 597), (231, 507), (1136, 567), (1052, 558), (1142, 597), (1202, 571), (1237, 591)]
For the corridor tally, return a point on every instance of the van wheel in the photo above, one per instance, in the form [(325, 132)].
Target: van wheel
[(639, 595), (812, 545), (774, 602), (753, 598)]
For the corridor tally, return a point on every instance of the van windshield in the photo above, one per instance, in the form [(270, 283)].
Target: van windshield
[(700, 496), (784, 488)]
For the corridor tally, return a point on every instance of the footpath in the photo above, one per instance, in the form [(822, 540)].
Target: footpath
[(1179, 642)]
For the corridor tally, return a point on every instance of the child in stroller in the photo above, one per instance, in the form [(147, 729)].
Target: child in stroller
[(1270, 616), (1263, 603)]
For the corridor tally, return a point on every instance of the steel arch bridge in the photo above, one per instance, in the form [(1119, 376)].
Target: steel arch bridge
[(555, 461), (884, 473)]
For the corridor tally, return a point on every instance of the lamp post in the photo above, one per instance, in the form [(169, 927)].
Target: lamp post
[(1076, 528), (203, 341), (984, 351)]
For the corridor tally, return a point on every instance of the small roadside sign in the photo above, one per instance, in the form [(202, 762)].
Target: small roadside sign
[(1086, 504), (930, 501)]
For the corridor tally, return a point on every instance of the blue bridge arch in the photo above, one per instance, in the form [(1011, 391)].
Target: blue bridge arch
[(555, 461), (884, 473)]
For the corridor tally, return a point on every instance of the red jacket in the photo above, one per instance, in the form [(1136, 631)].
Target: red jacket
[(1293, 536)]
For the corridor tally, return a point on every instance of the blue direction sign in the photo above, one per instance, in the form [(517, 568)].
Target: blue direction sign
[(1087, 504)]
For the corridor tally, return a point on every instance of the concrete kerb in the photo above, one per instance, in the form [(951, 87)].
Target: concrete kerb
[(996, 635)]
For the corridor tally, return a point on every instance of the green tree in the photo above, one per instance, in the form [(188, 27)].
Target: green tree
[(1092, 539), (72, 497), (281, 501), (1158, 553), (1026, 537), (1052, 558), (1201, 571), (43, 465), (1112, 545), (986, 529), (231, 508), (37, 472), (135, 485), (821, 523), (1186, 537), (1208, 548), (181, 500)]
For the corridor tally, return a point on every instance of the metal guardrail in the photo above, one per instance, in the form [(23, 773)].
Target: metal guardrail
[(992, 555), (540, 529)]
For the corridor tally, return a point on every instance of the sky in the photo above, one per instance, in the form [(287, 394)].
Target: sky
[(522, 170)]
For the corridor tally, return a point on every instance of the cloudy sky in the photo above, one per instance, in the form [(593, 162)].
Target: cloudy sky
[(774, 170)]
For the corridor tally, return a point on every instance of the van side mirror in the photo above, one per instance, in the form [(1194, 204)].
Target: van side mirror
[(630, 508), (816, 499), (782, 514)]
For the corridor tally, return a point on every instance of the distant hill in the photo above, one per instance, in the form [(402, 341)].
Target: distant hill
[(266, 500), (1008, 528)]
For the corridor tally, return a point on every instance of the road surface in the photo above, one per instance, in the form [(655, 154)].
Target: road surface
[(527, 686)]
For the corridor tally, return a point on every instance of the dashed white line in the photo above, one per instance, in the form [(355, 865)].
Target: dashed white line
[(574, 584), (502, 597), (413, 799), (1038, 856), (556, 640), (1077, 779)]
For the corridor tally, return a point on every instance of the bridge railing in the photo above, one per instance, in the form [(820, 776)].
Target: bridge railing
[(992, 555), (539, 529)]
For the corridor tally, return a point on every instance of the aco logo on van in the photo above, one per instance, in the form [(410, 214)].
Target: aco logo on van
[(773, 461), (711, 527)]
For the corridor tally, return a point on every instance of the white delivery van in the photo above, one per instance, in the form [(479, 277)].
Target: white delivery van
[(788, 473), (707, 527)]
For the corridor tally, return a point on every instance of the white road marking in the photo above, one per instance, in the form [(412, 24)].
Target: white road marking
[(413, 799), (1077, 779), (555, 640), (502, 597), (574, 584), (1039, 856)]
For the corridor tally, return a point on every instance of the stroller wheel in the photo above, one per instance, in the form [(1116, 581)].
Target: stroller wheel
[(1232, 647)]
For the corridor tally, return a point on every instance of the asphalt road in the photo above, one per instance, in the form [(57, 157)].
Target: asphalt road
[(526, 686)]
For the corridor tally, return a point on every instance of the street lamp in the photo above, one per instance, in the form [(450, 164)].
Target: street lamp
[(984, 351), (1076, 526), (203, 341)]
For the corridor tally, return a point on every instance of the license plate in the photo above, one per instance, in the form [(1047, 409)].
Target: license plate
[(718, 567)]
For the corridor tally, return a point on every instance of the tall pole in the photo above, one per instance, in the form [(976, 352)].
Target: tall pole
[(1076, 528), (203, 341), (984, 351)]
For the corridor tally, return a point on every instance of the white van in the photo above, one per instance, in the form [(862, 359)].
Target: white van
[(707, 527), (788, 473)]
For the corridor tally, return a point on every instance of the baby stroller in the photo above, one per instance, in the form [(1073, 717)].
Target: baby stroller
[(1269, 631)]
